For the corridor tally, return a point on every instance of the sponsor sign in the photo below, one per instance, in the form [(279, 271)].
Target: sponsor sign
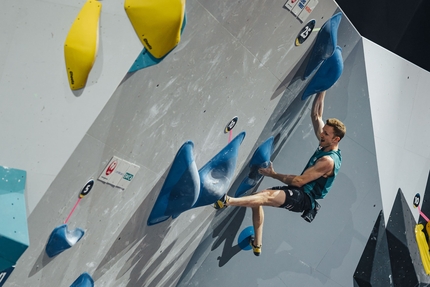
[(128, 176), (301, 8), (119, 172), (307, 10), (301, 4), (290, 4)]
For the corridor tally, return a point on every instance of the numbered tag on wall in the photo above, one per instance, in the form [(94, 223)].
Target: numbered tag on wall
[(231, 124), (305, 33)]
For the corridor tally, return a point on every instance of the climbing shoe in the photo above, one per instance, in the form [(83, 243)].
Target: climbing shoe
[(221, 203), (255, 249)]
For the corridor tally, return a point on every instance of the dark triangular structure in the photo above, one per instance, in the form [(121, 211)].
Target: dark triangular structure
[(401, 241), (395, 244), (372, 270)]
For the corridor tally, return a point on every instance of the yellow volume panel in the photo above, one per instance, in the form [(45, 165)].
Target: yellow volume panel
[(80, 47), (423, 247), (158, 23)]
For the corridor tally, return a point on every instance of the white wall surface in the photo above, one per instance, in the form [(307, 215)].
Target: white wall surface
[(400, 106), (42, 119)]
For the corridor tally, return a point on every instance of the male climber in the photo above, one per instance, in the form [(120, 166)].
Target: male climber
[(301, 191)]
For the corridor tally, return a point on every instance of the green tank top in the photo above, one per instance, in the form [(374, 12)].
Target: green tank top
[(318, 188)]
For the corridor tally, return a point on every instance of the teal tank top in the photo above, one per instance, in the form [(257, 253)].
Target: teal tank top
[(318, 188)]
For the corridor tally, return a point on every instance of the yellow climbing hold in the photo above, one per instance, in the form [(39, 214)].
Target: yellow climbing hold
[(157, 23), (423, 247), (81, 45)]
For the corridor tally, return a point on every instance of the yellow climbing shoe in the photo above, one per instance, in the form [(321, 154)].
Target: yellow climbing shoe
[(221, 203), (255, 249)]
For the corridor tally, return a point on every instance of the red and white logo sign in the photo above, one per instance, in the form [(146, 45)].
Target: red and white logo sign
[(118, 172), (111, 167)]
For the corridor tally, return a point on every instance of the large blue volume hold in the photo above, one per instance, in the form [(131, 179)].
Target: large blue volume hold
[(327, 75), (186, 187), (325, 44), (216, 175), (180, 189)]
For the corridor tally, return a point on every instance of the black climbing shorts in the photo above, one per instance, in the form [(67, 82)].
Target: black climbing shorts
[(296, 199)]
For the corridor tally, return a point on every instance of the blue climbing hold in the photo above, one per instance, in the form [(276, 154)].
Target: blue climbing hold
[(260, 159), (244, 236), (185, 187), (216, 175), (84, 280), (61, 239), (325, 44), (327, 75), (180, 189), (145, 59)]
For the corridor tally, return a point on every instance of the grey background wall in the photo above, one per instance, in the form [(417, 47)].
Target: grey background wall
[(296, 253), (235, 59)]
